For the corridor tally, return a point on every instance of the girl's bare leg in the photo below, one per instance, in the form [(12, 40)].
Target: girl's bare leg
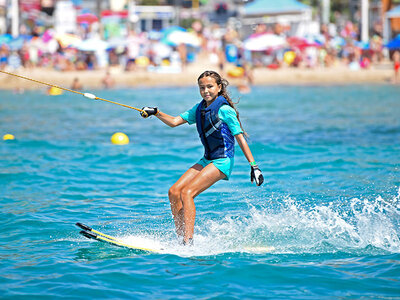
[(175, 200), (193, 187)]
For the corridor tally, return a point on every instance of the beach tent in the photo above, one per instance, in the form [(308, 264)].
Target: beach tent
[(292, 12), (394, 13), (270, 7), (391, 14)]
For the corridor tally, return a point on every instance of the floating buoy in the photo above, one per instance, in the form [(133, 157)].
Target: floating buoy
[(8, 137), (142, 61), (53, 91), (289, 57), (236, 72), (119, 138)]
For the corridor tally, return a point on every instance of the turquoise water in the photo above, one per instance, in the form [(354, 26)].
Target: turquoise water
[(330, 205)]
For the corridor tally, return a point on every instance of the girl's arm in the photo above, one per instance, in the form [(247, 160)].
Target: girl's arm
[(167, 119), (245, 147), (170, 120), (255, 173)]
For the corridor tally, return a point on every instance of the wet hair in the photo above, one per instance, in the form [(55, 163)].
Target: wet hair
[(224, 92)]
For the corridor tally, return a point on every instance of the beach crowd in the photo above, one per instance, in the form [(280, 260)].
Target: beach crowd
[(173, 49)]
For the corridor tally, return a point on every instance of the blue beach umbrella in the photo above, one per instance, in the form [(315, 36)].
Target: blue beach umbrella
[(168, 30), (362, 45), (394, 44), (18, 42), (5, 38), (166, 33)]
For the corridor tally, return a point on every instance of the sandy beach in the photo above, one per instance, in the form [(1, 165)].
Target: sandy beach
[(339, 74)]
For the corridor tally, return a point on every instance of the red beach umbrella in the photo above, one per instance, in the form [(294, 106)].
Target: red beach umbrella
[(300, 43), (87, 18)]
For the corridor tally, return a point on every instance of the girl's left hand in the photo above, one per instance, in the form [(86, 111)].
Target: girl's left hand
[(256, 175)]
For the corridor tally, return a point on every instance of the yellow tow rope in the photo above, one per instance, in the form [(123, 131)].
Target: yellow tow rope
[(87, 95)]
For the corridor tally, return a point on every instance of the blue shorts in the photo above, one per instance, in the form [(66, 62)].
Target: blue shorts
[(225, 165)]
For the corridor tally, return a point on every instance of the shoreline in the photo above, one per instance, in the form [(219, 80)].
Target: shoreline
[(337, 75)]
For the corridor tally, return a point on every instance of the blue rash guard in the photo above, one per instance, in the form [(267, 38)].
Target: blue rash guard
[(228, 117)]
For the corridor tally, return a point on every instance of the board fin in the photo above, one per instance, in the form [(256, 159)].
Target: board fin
[(90, 229), (88, 234)]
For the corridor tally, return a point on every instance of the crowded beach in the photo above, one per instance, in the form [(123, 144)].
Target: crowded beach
[(270, 54)]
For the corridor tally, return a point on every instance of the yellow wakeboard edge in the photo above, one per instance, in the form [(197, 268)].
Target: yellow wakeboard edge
[(88, 228), (90, 233)]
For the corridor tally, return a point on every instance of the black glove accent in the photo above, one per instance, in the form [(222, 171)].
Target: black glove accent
[(256, 175), (148, 111)]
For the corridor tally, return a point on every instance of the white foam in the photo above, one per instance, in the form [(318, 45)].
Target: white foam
[(288, 226)]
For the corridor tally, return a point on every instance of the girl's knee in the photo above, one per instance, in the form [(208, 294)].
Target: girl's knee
[(174, 193), (187, 194)]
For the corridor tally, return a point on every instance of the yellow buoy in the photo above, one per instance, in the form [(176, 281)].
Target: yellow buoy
[(289, 57), (53, 91), (8, 137), (119, 138), (142, 61), (236, 72)]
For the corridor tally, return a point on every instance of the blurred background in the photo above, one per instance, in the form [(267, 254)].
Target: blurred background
[(166, 36)]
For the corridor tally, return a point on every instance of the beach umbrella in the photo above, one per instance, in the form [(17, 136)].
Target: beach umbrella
[(300, 43), (166, 31), (16, 43), (92, 45), (182, 37), (5, 38), (176, 35), (87, 18), (262, 42), (116, 42), (394, 44), (67, 39), (362, 45)]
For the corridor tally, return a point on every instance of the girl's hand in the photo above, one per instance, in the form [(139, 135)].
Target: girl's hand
[(256, 175), (149, 111)]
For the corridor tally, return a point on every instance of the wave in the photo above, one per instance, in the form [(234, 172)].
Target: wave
[(355, 227)]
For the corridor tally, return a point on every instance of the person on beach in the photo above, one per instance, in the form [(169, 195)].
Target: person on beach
[(396, 66), (217, 122), (107, 81), (76, 84)]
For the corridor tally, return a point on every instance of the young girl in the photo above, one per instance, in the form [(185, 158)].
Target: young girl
[(217, 122)]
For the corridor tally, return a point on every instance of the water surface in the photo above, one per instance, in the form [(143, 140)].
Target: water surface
[(330, 205)]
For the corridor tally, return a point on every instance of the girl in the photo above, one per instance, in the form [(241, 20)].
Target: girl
[(217, 122)]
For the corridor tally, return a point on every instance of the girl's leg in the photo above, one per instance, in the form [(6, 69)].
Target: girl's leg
[(174, 195), (202, 181)]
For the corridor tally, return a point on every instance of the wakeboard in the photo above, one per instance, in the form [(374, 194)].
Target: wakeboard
[(93, 234)]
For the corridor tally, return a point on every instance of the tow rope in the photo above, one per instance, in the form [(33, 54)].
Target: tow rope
[(87, 95)]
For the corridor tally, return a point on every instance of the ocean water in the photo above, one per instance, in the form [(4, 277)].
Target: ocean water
[(329, 208)]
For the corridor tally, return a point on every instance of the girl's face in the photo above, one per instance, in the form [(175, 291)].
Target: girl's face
[(209, 88)]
